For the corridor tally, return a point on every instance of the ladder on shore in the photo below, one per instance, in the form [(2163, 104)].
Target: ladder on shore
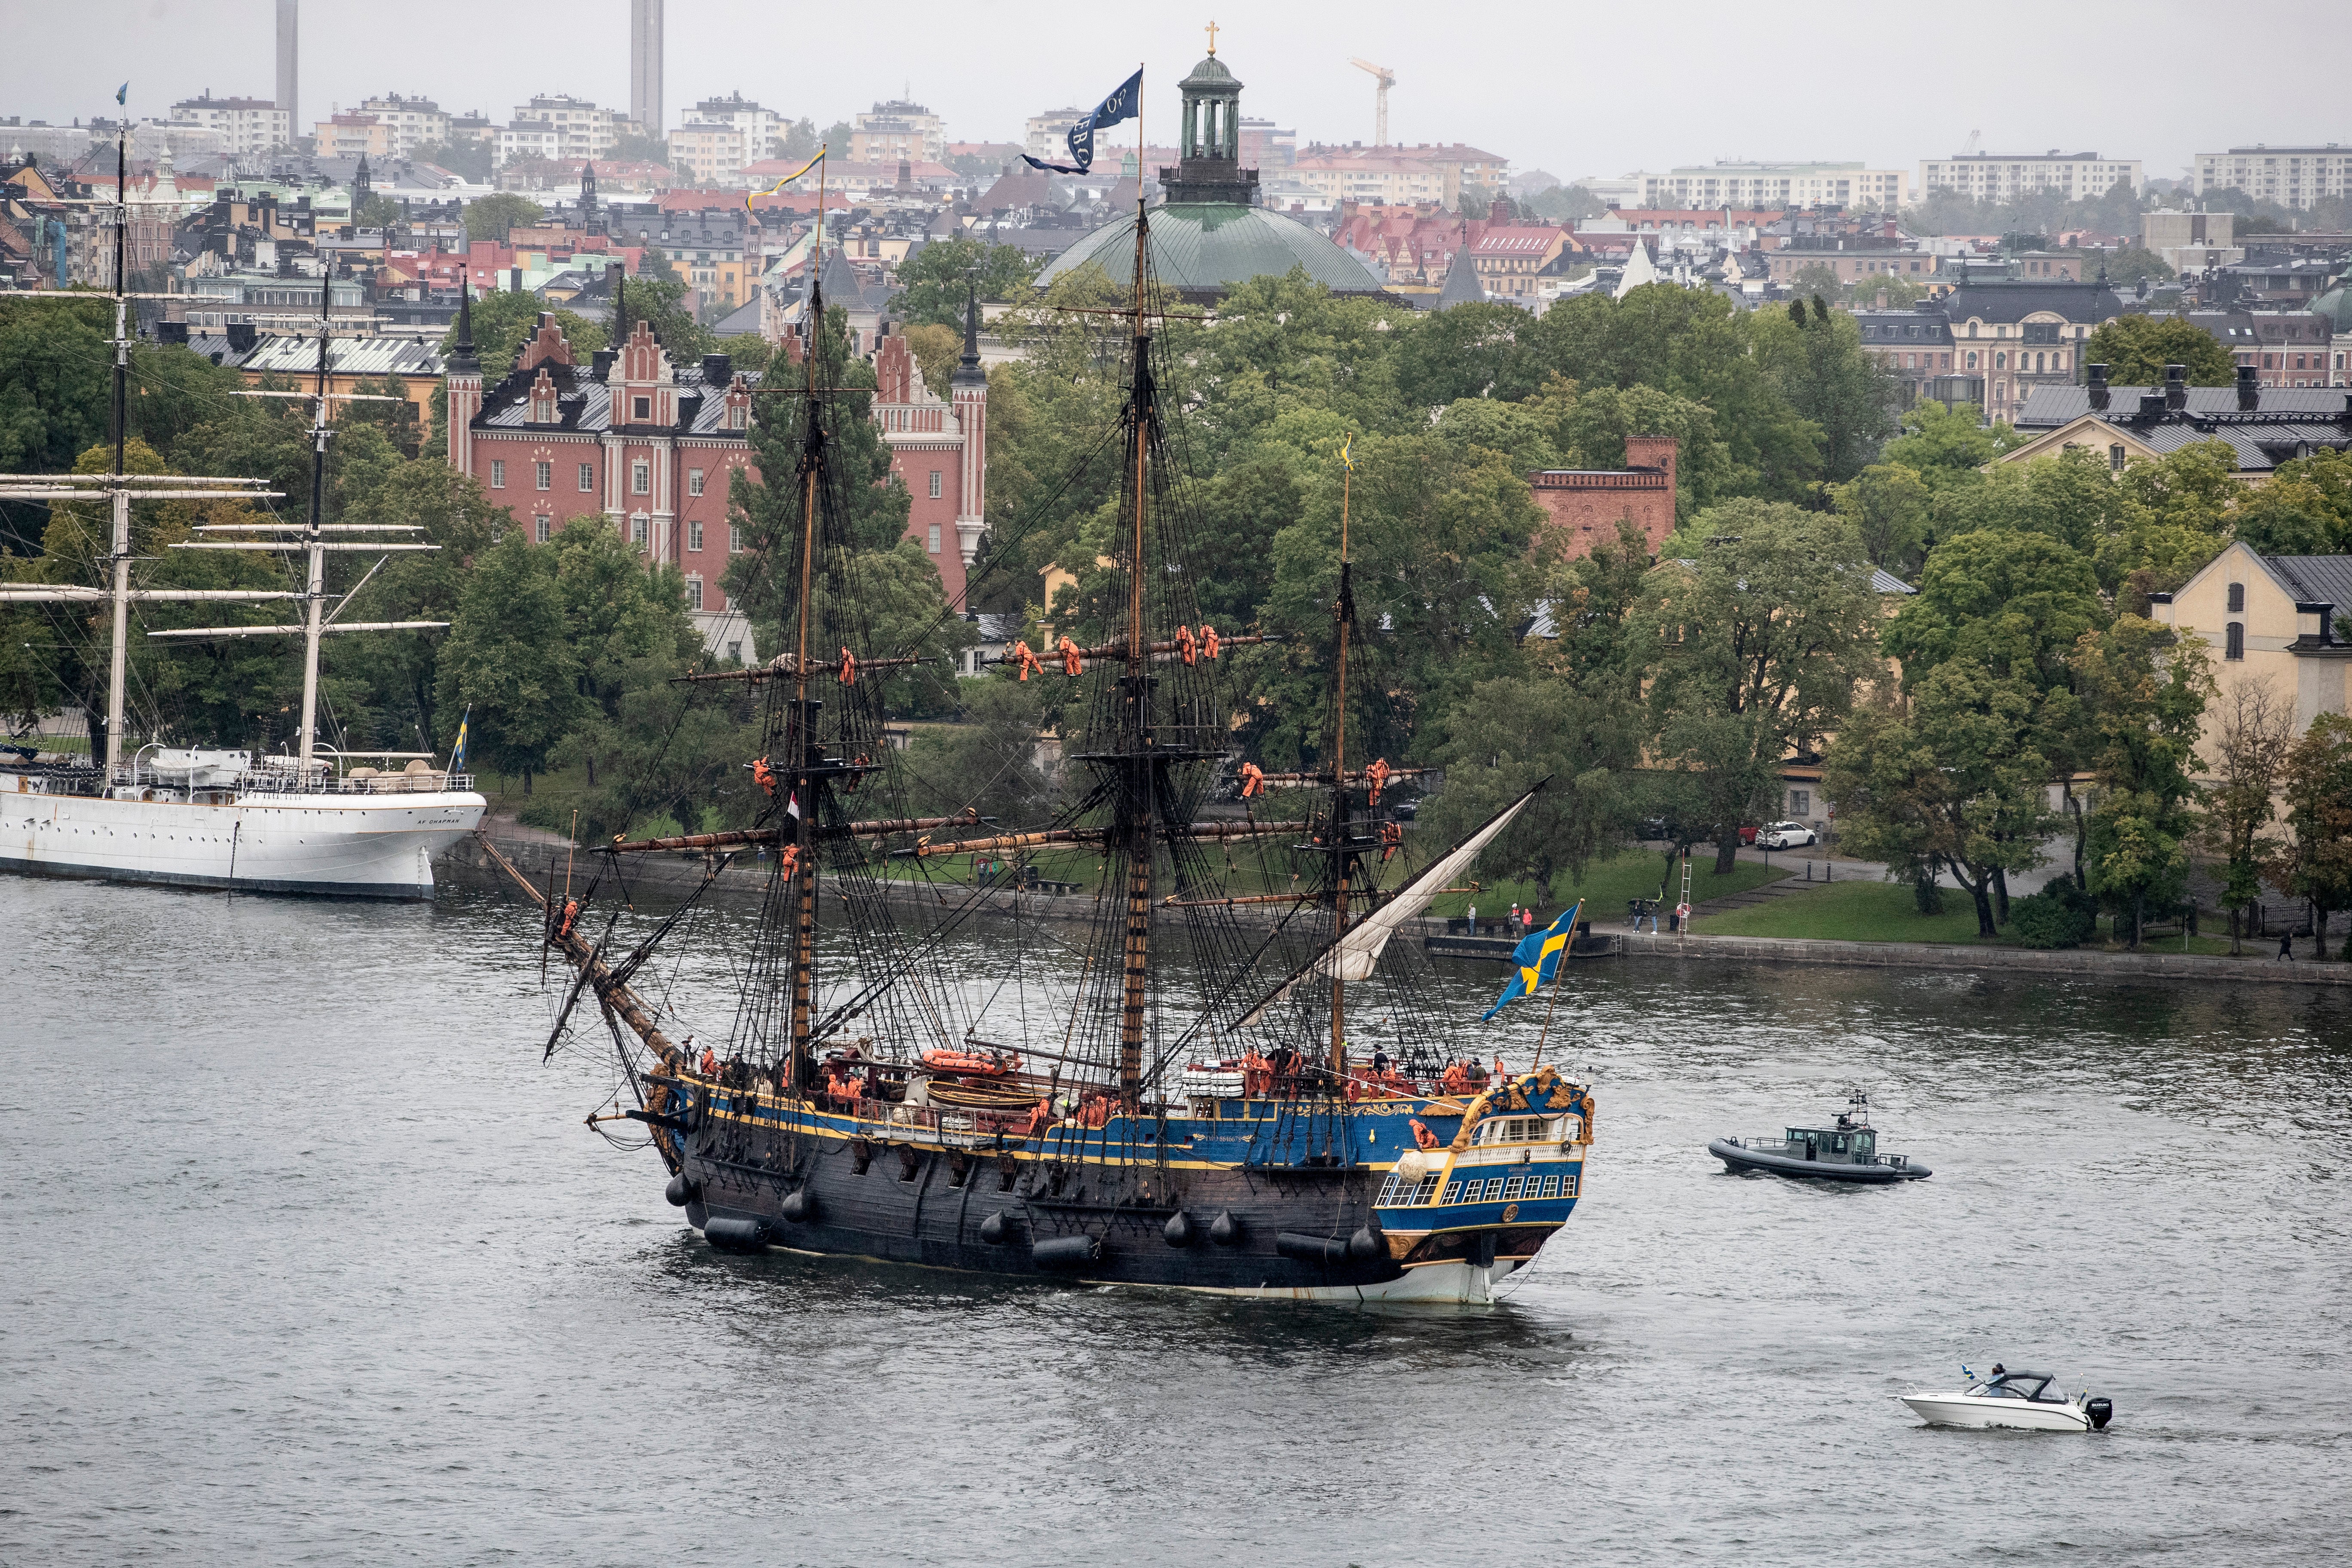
[(1682, 905)]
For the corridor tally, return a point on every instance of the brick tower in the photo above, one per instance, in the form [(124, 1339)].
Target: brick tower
[(969, 389), (464, 372)]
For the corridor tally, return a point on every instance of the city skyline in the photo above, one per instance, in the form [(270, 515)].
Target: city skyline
[(1636, 107)]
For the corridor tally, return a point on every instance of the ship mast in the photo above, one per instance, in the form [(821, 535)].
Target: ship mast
[(805, 754), (1134, 820), (1343, 609), (315, 577), (118, 662)]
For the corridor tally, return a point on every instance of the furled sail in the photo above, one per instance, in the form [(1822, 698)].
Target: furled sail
[(1352, 956)]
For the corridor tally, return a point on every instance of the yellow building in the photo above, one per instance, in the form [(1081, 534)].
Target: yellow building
[(2269, 619)]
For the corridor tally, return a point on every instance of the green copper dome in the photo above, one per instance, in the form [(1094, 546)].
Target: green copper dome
[(1202, 248), (2336, 304)]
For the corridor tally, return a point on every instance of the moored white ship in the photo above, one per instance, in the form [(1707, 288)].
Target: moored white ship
[(218, 819), (303, 822)]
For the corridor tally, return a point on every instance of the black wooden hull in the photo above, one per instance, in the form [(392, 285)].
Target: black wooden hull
[(817, 1185)]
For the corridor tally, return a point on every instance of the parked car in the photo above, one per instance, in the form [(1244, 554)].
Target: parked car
[(1656, 827), (1787, 835)]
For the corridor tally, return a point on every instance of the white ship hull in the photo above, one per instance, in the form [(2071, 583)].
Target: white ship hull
[(1972, 1410), (369, 846)]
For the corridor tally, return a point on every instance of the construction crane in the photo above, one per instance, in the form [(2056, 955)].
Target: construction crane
[(1387, 78), (1976, 140)]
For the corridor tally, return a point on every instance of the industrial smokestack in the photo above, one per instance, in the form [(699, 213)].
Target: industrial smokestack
[(289, 65), (645, 67)]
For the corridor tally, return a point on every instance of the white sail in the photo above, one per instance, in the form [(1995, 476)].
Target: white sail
[(1358, 949)]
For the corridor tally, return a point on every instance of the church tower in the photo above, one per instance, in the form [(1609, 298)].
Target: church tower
[(464, 374), (1210, 143), (969, 388)]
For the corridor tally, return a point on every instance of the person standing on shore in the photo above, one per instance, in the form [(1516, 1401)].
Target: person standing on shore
[(2286, 946)]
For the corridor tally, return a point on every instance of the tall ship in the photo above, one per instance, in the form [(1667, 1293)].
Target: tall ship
[(1185, 1085), (313, 819)]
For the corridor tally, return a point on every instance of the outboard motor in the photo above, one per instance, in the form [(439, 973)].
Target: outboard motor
[(2100, 1411)]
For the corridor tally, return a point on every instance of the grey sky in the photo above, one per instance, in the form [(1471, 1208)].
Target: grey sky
[(1575, 89)]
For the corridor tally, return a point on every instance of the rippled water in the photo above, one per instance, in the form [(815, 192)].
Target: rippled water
[(308, 1259)]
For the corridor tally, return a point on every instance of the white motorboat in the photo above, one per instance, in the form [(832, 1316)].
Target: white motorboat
[(2018, 1399)]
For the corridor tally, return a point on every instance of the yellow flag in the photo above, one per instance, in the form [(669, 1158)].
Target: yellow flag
[(787, 180)]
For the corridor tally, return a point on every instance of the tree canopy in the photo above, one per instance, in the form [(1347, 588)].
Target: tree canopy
[(2137, 348)]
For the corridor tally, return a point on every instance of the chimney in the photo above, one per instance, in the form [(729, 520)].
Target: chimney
[(2176, 387), (2315, 624), (241, 337), (2250, 389), (2151, 405), (600, 364), (2098, 386), (717, 369)]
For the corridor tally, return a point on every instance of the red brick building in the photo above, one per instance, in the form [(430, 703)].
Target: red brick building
[(1588, 502), (653, 446)]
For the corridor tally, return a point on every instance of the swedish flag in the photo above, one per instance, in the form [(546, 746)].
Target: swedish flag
[(458, 752), (1538, 958)]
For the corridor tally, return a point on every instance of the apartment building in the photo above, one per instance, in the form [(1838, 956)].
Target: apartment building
[(1398, 175), (1047, 135), (353, 136), (1744, 184), (408, 123), (712, 154), (244, 124), (897, 129), (760, 127), (559, 126), (2290, 176), (2005, 176)]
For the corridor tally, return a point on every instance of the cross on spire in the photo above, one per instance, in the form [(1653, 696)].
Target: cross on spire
[(1213, 37)]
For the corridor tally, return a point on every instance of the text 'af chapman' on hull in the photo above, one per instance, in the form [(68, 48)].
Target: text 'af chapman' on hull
[(1176, 1097), (221, 818)]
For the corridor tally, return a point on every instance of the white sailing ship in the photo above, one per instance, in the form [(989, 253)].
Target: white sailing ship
[(309, 822)]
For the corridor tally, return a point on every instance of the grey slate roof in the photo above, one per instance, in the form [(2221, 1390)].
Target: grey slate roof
[(2316, 577), (1914, 328), (1462, 283), (297, 356), (2090, 303), (2047, 407), (583, 403)]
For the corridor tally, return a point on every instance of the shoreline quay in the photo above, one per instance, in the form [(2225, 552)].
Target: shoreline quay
[(2073, 963), (678, 875)]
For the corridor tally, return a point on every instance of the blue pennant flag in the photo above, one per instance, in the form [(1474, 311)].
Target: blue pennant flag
[(1124, 104), (122, 93), (1538, 957)]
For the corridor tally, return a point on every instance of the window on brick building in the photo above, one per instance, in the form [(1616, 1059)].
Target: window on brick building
[(694, 592), (637, 530), (694, 536), (734, 539), (541, 527), (544, 474), (641, 409), (694, 481), (587, 478), (641, 478), (935, 484), (497, 473), (935, 539)]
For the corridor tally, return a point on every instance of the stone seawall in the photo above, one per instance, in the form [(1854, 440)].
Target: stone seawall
[(2075, 964)]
